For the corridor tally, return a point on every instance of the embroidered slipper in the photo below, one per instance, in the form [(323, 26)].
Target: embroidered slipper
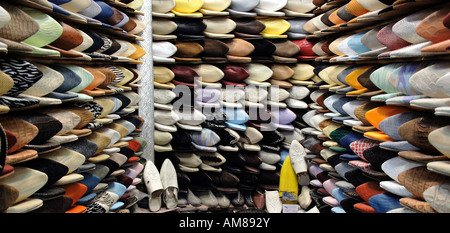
[(112, 194), (68, 119), (437, 138), (426, 80), (433, 197), (273, 201)]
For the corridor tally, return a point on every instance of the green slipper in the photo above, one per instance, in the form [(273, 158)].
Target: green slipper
[(49, 28)]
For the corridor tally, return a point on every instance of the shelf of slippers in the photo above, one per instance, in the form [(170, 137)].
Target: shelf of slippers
[(318, 94), (77, 40), (350, 15), (100, 17), (70, 124), (338, 144), (413, 48), (181, 55), (342, 140), (67, 46)]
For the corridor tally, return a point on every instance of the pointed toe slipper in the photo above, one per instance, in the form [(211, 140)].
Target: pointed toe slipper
[(154, 186), (170, 184)]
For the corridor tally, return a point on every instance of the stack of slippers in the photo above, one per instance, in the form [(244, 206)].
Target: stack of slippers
[(69, 106), (224, 101), (265, 105), (304, 106)]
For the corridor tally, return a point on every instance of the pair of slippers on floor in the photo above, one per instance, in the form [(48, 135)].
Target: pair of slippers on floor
[(161, 186)]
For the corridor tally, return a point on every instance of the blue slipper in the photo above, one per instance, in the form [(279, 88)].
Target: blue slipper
[(239, 127), (236, 116)]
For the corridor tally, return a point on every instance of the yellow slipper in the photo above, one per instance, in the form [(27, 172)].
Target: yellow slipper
[(288, 187)]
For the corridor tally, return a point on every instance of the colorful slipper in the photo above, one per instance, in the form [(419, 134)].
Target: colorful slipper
[(49, 29), (23, 73), (75, 191), (391, 124), (105, 201), (380, 77), (86, 77), (376, 115), (288, 188)]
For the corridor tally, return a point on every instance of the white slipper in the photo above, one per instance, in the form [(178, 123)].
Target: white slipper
[(208, 198), (394, 166), (154, 186), (439, 139), (396, 188), (170, 184), (113, 134), (304, 199), (437, 197), (273, 202), (297, 153), (166, 117)]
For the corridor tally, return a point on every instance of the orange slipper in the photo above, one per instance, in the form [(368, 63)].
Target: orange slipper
[(75, 191), (376, 115)]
